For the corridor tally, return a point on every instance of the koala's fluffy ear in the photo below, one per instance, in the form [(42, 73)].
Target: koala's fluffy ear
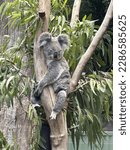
[(63, 40), (44, 38)]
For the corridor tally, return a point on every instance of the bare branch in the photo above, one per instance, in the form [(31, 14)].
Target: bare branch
[(84, 59), (75, 12)]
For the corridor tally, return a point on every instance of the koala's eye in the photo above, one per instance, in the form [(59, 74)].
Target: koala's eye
[(51, 50)]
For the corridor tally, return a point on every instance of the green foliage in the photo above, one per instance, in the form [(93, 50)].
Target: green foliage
[(20, 12), (91, 103), (60, 7), (13, 82), (4, 144)]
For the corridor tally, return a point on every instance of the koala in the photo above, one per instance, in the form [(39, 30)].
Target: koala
[(58, 74)]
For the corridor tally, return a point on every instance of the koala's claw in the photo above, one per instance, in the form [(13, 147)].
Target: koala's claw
[(53, 115), (35, 105)]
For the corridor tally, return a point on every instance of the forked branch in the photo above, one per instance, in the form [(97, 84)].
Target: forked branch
[(92, 47)]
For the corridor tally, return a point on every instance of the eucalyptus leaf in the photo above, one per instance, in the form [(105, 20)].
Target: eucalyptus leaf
[(8, 81)]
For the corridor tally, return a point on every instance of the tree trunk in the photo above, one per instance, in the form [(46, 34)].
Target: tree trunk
[(16, 127), (58, 127)]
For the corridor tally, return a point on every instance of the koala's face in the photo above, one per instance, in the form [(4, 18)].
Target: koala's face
[(53, 50), (53, 47)]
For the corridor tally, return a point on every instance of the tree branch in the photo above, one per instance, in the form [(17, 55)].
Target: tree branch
[(75, 12), (44, 12), (85, 58)]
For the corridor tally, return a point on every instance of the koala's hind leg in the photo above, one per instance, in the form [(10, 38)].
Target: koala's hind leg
[(61, 97)]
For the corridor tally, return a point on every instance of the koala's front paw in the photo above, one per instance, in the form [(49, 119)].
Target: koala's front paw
[(38, 92), (53, 115)]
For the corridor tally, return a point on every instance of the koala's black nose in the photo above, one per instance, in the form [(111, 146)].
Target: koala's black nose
[(55, 55)]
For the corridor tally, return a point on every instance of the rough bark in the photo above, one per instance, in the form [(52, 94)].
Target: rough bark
[(92, 47), (15, 126), (58, 127), (13, 120), (75, 12), (2, 23)]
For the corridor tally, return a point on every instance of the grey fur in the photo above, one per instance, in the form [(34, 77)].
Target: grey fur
[(58, 70)]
